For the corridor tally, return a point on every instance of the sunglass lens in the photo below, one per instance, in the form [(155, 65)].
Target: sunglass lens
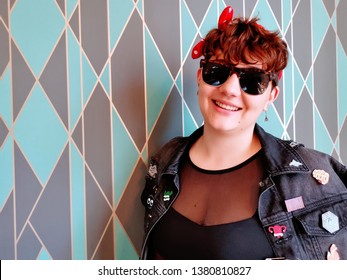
[(254, 83), (214, 74), (251, 82)]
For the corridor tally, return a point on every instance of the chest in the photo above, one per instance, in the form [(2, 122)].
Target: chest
[(219, 197)]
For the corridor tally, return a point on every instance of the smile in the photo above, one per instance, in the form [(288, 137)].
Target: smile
[(226, 107)]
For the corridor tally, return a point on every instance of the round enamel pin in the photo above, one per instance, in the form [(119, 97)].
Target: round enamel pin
[(321, 176)]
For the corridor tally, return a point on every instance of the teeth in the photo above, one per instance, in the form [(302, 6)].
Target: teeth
[(226, 107)]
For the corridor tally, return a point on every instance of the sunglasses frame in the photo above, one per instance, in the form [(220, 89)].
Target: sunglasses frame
[(240, 71)]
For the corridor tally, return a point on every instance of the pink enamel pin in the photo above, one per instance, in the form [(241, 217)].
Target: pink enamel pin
[(333, 254), (321, 176), (277, 230)]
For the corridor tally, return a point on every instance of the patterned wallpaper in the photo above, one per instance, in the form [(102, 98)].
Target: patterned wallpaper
[(90, 89)]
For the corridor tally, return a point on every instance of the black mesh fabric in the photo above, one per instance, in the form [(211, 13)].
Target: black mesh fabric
[(214, 216)]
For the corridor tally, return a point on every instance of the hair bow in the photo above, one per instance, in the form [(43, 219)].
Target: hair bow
[(224, 19)]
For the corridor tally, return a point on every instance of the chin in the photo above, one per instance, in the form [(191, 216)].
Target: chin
[(224, 127)]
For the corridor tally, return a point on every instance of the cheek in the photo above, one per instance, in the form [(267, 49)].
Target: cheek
[(204, 100), (254, 104), (204, 93)]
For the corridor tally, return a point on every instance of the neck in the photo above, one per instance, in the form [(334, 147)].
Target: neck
[(220, 150)]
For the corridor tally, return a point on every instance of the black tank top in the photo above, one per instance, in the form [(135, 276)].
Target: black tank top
[(177, 238)]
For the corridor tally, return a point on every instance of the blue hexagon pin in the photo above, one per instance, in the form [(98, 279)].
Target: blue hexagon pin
[(330, 222)]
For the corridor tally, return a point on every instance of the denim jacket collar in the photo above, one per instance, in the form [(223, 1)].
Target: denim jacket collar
[(280, 155)]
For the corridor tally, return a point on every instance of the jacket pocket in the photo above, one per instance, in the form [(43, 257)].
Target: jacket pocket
[(322, 227), (321, 221)]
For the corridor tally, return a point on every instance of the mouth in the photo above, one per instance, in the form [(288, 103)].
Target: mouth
[(225, 106)]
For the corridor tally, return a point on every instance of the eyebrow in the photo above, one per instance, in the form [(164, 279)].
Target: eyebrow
[(222, 62)]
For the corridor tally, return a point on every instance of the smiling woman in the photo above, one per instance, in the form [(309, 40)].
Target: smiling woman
[(232, 190)]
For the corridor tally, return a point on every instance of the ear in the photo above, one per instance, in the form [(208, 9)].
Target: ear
[(272, 97), (198, 75)]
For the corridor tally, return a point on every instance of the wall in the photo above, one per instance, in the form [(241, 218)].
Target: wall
[(90, 89)]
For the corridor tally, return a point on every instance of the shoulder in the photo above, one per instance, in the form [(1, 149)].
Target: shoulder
[(316, 159), (168, 150), (279, 151), (171, 150)]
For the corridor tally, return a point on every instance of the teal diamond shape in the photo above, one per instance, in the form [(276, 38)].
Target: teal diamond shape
[(158, 81), (323, 141), (40, 134), (44, 255), (70, 4), (210, 20), (320, 24), (119, 13), (267, 19), (124, 249), (36, 26), (189, 29), (125, 156)]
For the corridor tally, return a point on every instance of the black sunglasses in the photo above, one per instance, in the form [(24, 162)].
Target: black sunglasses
[(253, 81)]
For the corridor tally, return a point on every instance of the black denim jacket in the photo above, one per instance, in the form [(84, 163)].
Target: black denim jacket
[(302, 217)]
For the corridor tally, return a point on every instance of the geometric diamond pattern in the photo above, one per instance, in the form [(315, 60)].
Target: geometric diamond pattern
[(40, 134), (74, 75), (5, 98), (77, 205), (127, 62), (4, 37), (89, 90), (36, 30)]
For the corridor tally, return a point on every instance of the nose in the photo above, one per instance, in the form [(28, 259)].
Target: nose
[(231, 86)]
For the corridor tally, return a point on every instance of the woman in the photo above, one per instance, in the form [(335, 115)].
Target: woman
[(231, 190)]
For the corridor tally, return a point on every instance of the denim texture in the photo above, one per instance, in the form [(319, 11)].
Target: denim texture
[(288, 175)]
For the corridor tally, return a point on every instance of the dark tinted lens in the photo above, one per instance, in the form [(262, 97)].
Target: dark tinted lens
[(254, 82), (215, 74)]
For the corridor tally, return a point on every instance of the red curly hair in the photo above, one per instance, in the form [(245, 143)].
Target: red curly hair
[(246, 41)]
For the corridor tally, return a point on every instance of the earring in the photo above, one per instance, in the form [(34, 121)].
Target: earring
[(266, 118)]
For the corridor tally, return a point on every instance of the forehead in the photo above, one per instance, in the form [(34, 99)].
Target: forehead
[(251, 63), (239, 65)]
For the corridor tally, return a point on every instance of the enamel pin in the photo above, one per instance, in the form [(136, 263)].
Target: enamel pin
[(167, 195), (150, 201), (295, 163), (330, 222), (152, 170), (321, 176), (333, 254), (294, 203), (277, 230)]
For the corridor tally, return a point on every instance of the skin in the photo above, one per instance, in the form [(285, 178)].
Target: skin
[(228, 137), (227, 141)]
